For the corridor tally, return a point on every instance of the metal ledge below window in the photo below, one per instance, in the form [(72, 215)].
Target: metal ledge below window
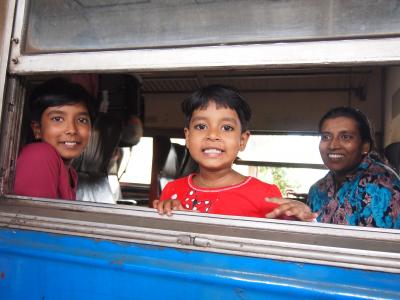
[(343, 246)]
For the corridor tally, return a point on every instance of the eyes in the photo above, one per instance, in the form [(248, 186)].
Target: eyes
[(80, 120), (84, 120), (345, 137), (203, 126)]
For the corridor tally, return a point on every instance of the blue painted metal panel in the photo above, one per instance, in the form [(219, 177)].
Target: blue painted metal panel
[(35, 265)]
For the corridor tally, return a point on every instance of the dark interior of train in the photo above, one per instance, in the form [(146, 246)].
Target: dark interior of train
[(144, 108)]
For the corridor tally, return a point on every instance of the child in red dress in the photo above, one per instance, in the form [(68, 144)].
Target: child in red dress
[(216, 129)]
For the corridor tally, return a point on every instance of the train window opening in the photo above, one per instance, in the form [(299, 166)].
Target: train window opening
[(283, 148)]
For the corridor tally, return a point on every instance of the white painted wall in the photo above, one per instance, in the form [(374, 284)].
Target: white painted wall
[(277, 111)]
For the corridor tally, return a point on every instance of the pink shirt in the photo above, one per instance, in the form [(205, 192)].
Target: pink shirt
[(41, 172)]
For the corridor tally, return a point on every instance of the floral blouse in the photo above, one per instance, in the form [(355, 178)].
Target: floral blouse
[(369, 197)]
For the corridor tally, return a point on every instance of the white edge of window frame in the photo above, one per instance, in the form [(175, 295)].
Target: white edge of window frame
[(5, 46), (294, 54)]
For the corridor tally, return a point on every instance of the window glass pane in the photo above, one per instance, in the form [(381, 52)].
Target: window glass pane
[(282, 148), (136, 164), (289, 180), (178, 141), (122, 24)]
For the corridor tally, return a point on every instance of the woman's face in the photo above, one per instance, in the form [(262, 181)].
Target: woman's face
[(341, 146), (67, 128)]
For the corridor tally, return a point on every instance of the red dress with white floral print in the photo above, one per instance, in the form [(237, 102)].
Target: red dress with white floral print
[(244, 199)]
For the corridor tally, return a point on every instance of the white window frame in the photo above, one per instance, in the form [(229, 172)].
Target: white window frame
[(353, 52)]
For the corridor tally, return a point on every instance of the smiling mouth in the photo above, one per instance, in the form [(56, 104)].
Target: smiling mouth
[(335, 156), (212, 151), (70, 144)]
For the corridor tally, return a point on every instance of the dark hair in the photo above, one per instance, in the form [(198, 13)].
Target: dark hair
[(223, 96), (364, 126), (57, 92)]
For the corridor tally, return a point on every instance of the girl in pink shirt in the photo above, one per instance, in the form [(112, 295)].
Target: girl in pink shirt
[(61, 123)]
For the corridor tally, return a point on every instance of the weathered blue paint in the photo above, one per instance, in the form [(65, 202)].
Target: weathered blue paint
[(44, 266)]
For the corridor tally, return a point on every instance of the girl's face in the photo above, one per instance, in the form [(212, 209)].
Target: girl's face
[(67, 128), (341, 146), (214, 137)]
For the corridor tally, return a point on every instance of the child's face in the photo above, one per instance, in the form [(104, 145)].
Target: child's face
[(67, 128), (214, 137)]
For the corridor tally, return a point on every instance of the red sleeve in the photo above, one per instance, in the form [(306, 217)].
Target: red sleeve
[(274, 192), (269, 191), (167, 192), (37, 171)]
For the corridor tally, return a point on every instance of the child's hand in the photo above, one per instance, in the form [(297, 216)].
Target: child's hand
[(167, 206), (291, 208)]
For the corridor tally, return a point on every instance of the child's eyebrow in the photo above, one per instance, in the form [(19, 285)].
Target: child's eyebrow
[(233, 120), (84, 113), (201, 118), (56, 112), (198, 118)]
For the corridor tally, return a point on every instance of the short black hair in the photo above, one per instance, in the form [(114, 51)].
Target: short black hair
[(56, 92), (223, 96), (364, 125)]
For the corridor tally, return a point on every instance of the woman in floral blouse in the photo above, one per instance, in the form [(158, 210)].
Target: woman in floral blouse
[(359, 188)]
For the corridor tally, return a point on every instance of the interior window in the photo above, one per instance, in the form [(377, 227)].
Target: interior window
[(136, 162), (292, 162)]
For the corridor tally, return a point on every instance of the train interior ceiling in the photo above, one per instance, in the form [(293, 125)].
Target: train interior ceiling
[(286, 103)]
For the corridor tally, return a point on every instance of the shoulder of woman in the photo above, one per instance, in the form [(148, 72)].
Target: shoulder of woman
[(380, 174)]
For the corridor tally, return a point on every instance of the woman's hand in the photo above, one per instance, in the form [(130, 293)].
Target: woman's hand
[(167, 206), (291, 208)]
